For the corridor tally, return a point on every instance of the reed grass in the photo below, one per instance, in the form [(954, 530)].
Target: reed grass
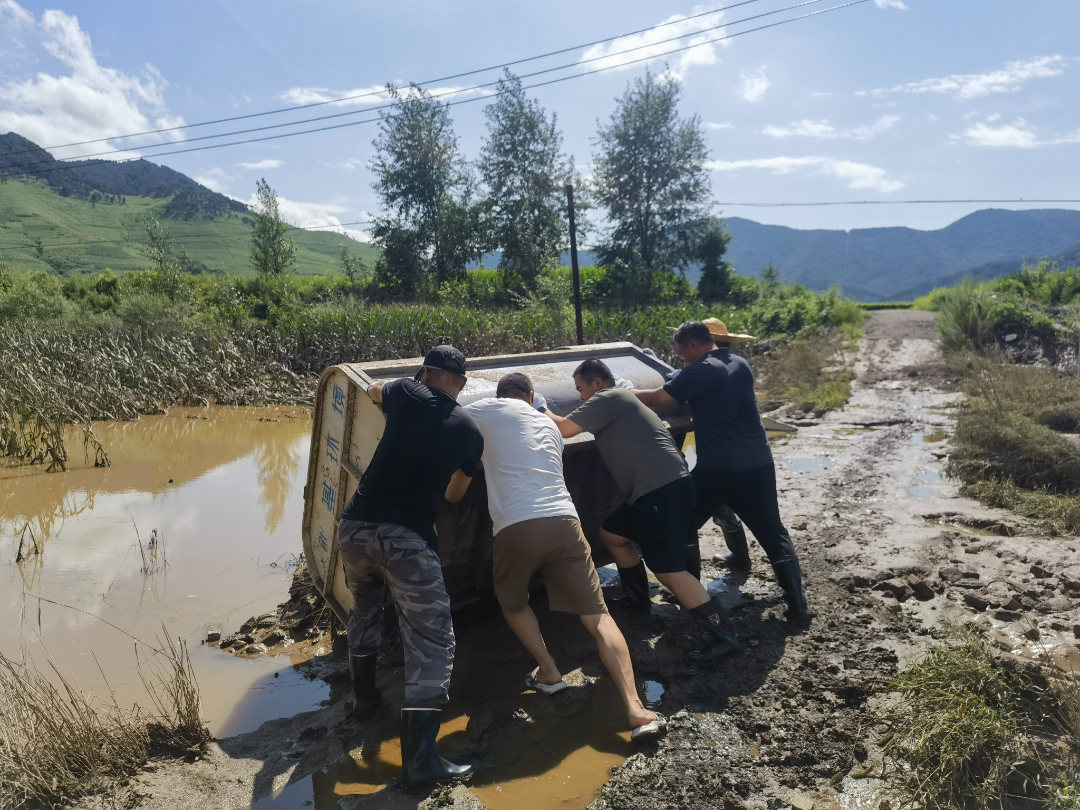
[(58, 743)]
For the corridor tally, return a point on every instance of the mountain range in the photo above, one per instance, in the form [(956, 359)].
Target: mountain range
[(882, 264), (87, 215)]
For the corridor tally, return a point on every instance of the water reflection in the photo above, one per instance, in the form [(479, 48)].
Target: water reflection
[(221, 491)]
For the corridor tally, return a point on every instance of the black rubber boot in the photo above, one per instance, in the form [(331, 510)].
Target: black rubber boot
[(789, 577), (635, 585), (366, 696), (420, 759), (738, 555), (693, 557), (723, 641)]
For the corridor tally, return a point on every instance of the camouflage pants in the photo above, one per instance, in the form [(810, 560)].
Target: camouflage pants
[(378, 554)]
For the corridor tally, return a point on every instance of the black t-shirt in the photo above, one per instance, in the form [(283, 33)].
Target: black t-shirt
[(727, 424), (428, 438)]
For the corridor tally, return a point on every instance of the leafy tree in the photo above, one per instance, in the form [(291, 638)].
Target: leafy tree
[(716, 282), (272, 252), (431, 225), (523, 166), (650, 175), (353, 266), (169, 277)]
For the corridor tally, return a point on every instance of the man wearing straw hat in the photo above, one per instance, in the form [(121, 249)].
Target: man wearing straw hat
[(735, 464)]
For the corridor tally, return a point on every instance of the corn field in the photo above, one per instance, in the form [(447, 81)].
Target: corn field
[(70, 372)]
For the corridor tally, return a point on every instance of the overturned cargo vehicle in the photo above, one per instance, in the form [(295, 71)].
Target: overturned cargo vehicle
[(348, 426)]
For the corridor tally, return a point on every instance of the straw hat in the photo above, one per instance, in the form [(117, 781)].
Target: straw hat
[(718, 329)]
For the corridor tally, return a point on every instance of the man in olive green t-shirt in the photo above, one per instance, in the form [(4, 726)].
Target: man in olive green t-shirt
[(649, 470)]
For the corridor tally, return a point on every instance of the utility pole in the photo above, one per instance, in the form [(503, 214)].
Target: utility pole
[(574, 264)]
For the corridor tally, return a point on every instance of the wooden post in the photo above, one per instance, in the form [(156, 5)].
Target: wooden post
[(574, 264)]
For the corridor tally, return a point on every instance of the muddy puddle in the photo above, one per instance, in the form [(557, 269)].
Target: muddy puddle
[(810, 466), (220, 491), (929, 438), (558, 754), (689, 447)]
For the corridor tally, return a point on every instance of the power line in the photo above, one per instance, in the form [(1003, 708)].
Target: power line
[(889, 202), (183, 239), (428, 81), (464, 101), (456, 91)]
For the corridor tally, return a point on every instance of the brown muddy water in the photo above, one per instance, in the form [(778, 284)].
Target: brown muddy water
[(223, 489)]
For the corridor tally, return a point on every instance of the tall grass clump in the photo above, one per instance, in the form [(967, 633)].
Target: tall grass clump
[(1015, 443), (58, 744), (955, 731)]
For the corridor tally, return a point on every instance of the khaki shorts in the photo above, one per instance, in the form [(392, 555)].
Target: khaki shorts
[(556, 546)]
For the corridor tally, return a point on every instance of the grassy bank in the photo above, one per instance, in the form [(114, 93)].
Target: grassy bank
[(971, 732), (102, 346), (1017, 441)]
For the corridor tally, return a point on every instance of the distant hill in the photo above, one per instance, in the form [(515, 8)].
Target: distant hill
[(95, 180), (40, 230), (878, 264)]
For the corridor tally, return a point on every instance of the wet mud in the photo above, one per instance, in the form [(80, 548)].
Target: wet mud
[(793, 720)]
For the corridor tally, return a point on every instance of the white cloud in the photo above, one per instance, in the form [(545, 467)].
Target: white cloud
[(858, 175), (897, 4), (976, 85), (1017, 135), (214, 179), (323, 216), (649, 44), (721, 125), (823, 129), (754, 85), (269, 163), (366, 96), (92, 102), (15, 14)]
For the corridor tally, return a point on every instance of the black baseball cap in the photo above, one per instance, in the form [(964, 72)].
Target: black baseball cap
[(445, 358)]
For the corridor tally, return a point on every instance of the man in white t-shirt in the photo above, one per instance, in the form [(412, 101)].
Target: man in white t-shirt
[(536, 528)]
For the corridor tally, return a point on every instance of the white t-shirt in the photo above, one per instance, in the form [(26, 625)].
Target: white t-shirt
[(523, 463)]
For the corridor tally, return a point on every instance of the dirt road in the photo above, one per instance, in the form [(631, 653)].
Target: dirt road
[(791, 719)]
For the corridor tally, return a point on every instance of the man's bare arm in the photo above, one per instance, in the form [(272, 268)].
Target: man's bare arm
[(458, 486), (375, 390), (654, 397), (567, 427)]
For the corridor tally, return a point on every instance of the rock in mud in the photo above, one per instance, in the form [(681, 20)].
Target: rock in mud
[(800, 802), (1039, 572), (255, 649), (951, 574), (1071, 587), (894, 587), (273, 638), (921, 590), (976, 601), (1012, 604), (1076, 631), (213, 633)]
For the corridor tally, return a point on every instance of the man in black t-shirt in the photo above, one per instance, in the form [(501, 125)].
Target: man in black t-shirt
[(428, 452), (735, 464)]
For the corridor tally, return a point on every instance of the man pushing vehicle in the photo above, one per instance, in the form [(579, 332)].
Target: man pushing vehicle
[(735, 464), (651, 473), (428, 451), (536, 527)]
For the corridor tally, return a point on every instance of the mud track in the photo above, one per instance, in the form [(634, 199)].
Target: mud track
[(891, 555)]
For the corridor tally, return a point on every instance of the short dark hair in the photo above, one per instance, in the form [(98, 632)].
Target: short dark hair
[(513, 385), (593, 369), (695, 331)]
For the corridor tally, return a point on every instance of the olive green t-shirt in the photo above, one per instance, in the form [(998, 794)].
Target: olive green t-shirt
[(637, 449)]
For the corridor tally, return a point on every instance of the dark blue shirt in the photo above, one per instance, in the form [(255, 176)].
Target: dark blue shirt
[(428, 438), (727, 424)]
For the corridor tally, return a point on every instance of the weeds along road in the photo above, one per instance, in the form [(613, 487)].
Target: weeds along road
[(891, 554)]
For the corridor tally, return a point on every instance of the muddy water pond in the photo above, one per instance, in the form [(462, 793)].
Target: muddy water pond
[(220, 491)]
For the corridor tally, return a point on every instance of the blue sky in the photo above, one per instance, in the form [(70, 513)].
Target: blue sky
[(887, 100)]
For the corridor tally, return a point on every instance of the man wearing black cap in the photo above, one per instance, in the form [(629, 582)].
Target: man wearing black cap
[(428, 451)]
